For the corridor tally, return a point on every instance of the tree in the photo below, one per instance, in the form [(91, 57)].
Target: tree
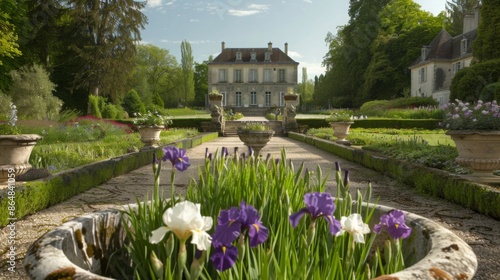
[(201, 82), (187, 71), (485, 47), (8, 35), (31, 91), (105, 38), (457, 10)]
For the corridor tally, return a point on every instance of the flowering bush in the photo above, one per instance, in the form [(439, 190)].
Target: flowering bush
[(254, 127), (466, 116), (10, 126), (286, 226), (151, 119), (340, 116)]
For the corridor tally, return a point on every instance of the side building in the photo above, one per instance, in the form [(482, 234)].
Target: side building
[(433, 71), (253, 80)]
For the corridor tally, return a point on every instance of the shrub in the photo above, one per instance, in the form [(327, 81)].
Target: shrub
[(31, 91), (469, 83), (132, 103), (110, 111), (94, 106), (5, 109)]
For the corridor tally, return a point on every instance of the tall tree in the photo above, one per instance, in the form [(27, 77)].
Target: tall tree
[(488, 39), (106, 38), (457, 10), (187, 65), (8, 35), (201, 82)]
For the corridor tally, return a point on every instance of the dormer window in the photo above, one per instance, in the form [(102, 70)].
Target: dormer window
[(253, 56), (425, 52), (267, 56), (463, 46), (238, 56)]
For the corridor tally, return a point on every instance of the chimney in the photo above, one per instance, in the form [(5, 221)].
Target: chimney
[(223, 46), (469, 23), (269, 46), (286, 48)]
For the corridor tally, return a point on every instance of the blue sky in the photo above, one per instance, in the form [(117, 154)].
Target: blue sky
[(303, 24)]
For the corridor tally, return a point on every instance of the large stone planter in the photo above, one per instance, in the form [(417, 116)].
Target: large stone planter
[(341, 130), (81, 249), (478, 151), (15, 151), (256, 140), (150, 135)]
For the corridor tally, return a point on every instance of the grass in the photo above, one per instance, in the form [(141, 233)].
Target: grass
[(69, 145), (186, 112)]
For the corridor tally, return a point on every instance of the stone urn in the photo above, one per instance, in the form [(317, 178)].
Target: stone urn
[(15, 151), (150, 135), (84, 248), (341, 130), (478, 150), (255, 139)]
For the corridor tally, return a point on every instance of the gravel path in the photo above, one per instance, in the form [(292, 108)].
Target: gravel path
[(479, 231)]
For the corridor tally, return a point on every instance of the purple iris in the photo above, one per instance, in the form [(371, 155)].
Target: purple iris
[(177, 157), (224, 256), (394, 221), (318, 205), (233, 222), (230, 225)]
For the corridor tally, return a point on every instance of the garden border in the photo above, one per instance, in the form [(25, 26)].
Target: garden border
[(37, 195), (478, 197)]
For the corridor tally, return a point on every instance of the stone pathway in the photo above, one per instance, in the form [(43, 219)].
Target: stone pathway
[(479, 231)]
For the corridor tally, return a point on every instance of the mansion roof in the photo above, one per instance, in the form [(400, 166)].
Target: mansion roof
[(229, 55)]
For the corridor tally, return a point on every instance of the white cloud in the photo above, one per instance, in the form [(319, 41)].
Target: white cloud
[(308, 1), (154, 3), (294, 55), (252, 9)]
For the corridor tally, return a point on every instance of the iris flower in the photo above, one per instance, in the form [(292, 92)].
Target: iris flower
[(233, 222), (185, 220), (317, 205), (355, 226), (394, 221), (177, 157), (224, 256)]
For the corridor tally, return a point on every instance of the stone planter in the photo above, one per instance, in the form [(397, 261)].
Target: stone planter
[(81, 249), (341, 130), (15, 151), (478, 151), (290, 97), (255, 139), (150, 135)]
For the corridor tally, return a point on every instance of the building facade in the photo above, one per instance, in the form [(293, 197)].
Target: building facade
[(433, 71), (253, 77)]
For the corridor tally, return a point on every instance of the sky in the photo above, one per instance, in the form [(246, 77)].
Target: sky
[(303, 24)]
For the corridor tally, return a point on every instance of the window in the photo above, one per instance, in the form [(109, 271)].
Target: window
[(253, 98), (268, 77), (457, 66), (238, 56), (463, 46), (222, 75), (422, 75), (252, 78), (425, 52), (224, 99), (281, 75), (253, 56), (267, 56), (238, 99), (282, 96), (268, 99), (237, 76)]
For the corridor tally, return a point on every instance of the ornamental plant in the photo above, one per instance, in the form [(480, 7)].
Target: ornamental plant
[(9, 127), (151, 119), (476, 116), (272, 222), (254, 127), (340, 116)]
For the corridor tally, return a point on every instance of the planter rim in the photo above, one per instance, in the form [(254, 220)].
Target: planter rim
[(21, 137), (447, 253), (344, 122), (254, 131), (150, 126), (471, 132)]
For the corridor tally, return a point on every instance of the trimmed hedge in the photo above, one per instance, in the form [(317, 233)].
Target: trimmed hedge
[(439, 183), (37, 195), (376, 123)]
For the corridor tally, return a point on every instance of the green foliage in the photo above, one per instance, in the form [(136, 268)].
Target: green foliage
[(472, 83), (152, 119), (404, 108), (158, 101), (254, 126), (94, 106), (110, 111), (132, 103), (5, 108), (485, 46), (339, 116), (32, 91), (478, 116)]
